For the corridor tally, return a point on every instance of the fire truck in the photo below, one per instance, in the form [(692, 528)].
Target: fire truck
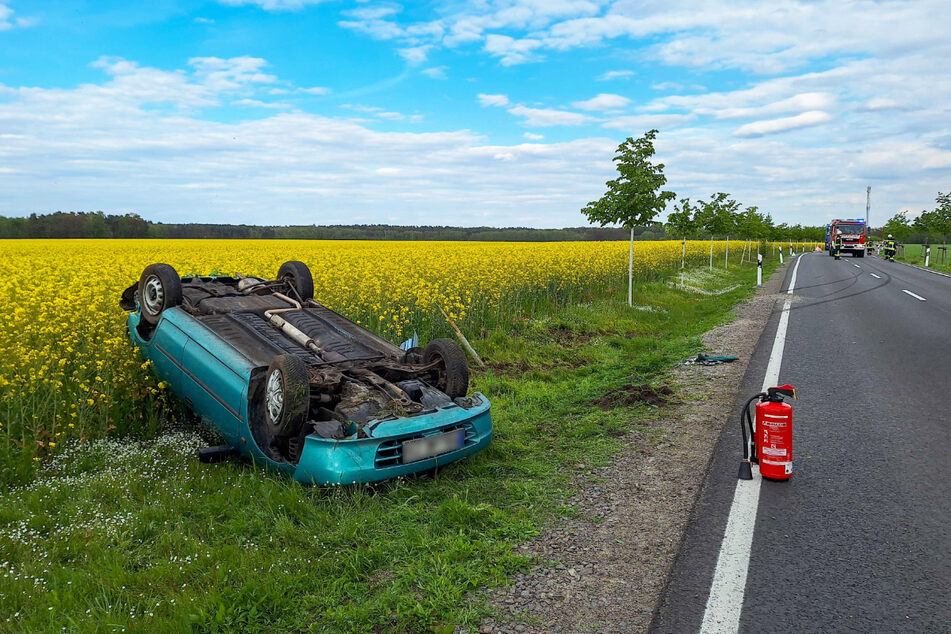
[(854, 234)]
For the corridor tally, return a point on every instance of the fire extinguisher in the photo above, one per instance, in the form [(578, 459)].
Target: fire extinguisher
[(772, 435)]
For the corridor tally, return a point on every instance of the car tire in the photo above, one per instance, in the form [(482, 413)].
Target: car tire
[(286, 395), (160, 288), (453, 370), (297, 275)]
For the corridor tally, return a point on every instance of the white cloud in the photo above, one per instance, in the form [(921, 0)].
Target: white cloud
[(883, 103), (436, 72), (230, 73), (615, 74), (766, 38), (533, 137), (545, 117), (640, 123), (113, 152), (797, 103), (274, 5), (373, 13), (7, 21), (415, 54), (603, 103), (509, 50), (316, 90), (493, 100), (256, 103), (772, 126)]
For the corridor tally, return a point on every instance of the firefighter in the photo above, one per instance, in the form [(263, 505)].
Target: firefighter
[(888, 248), (869, 248), (837, 244)]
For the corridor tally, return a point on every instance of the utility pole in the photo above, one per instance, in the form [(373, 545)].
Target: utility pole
[(868, 202)]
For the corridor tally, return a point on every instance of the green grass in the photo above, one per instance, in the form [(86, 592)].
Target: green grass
[(138, 535), (915, 254)]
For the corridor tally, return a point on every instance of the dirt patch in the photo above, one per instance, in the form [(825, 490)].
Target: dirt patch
[(522, 367), (631, 395), (605, 569), (565, 336), (519, 367)]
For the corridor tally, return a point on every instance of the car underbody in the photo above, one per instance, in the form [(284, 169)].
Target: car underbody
[(314, 373)]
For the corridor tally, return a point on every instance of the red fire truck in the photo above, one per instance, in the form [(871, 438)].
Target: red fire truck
[(854, 234)]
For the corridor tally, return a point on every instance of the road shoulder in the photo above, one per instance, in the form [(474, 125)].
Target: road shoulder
[(605, 569)]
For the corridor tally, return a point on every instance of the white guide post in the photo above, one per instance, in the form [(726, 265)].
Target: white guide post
[(630, 272), (927, 257), (759, 269), (780, 254), (683, 260)]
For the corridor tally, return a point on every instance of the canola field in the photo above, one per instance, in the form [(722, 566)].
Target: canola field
[(68, 372)]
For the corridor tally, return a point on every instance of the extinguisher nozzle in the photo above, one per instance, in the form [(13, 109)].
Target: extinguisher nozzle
[(746, 471)]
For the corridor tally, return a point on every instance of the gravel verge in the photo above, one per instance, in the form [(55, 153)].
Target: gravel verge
[(605, 569)]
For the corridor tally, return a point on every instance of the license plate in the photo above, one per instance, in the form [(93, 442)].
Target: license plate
[(429, 446)]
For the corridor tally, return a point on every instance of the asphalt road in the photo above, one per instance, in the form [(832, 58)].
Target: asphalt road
[(859, 539)]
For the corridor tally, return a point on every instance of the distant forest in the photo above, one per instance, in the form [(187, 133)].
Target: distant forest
[(100, 225)]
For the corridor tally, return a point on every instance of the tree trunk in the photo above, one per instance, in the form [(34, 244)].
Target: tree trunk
[(630, 272)]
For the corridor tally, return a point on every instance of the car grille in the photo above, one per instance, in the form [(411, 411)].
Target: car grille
[(390, 452)]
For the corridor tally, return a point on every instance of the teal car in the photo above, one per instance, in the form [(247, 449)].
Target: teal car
[(297, 387)]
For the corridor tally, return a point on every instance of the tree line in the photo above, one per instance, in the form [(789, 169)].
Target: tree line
[(100, 225), (930, 227)]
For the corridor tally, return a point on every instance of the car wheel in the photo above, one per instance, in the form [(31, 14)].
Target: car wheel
[(453, 369), (286, 395), (160, 288), (297, 275)]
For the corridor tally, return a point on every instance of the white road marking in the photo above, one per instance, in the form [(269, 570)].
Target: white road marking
[(722, 614), (875, 276), (857, 266), (919, 297)]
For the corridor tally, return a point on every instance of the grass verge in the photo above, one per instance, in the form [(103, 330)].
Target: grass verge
[(138, 536), (915, 254)]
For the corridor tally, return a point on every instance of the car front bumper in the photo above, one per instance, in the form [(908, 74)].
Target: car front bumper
[(325, 461)]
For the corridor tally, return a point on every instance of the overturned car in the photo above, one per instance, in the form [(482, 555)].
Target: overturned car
[(291, 384)]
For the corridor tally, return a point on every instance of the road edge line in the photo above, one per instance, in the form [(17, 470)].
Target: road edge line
[(725, 601)]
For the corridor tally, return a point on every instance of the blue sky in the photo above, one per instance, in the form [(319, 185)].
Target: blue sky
[(496, 112)]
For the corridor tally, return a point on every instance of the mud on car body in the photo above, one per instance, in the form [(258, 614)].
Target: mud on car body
[(294, 385)]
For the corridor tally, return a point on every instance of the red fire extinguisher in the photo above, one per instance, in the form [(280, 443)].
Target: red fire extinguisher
[(772, 435)]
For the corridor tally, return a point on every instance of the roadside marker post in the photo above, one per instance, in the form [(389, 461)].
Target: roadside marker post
[(780, 255), (927, 257), (759, 269)]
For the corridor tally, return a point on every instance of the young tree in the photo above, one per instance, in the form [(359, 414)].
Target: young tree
[(681, 221), (635, 196), (898, 226), (717, 216)]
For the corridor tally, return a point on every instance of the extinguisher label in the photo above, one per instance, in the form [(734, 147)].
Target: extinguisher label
[(773, 451), (788, 468)]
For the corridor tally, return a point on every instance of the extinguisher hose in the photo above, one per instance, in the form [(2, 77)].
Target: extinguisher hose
[(747, 420)]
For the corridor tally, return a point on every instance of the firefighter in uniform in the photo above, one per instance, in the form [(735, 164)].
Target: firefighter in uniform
[(888, 248), (837, 244)]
